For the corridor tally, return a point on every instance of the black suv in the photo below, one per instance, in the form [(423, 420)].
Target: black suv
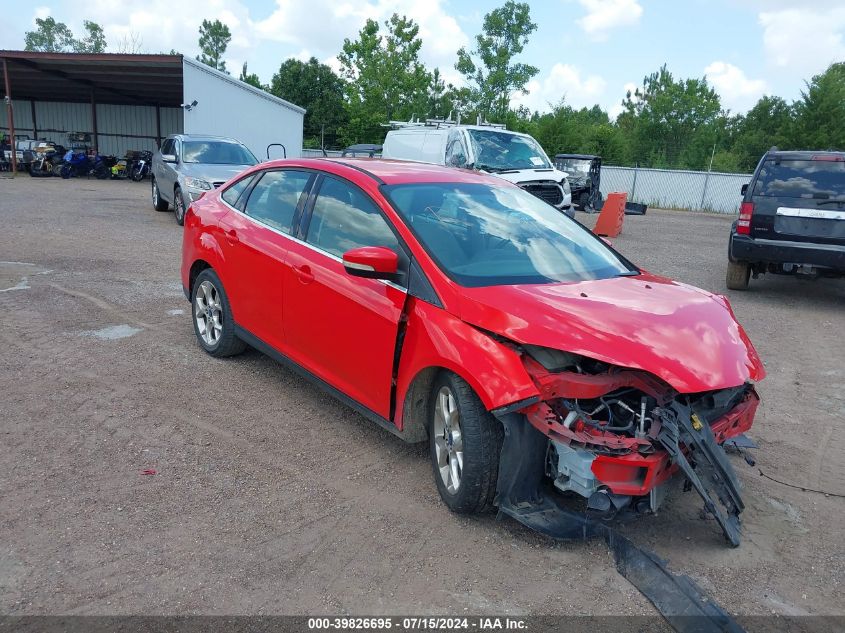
[(792, 218)]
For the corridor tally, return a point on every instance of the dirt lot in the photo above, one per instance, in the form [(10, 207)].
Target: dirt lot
[(271, 498)]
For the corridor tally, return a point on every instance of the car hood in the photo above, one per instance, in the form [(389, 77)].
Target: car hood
[(684, 335), (521, 176), (211, 173)]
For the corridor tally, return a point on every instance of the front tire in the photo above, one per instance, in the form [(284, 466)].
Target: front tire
[(213, 322), (159, 204), (738, 275), (179, 206), (465, 442)]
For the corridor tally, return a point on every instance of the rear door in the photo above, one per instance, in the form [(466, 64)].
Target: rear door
[(339, 327), (256, 240), (800, 200)]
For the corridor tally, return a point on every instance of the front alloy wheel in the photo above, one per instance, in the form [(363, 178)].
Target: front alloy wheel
[(179, 206), (448, 440), (465, 442)]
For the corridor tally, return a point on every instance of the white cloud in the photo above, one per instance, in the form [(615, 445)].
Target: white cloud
[(605, 15), (806, 40), (562, 82), (738, 92), (296, 22)]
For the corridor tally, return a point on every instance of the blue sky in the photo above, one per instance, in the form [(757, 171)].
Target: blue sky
[(588, 51)]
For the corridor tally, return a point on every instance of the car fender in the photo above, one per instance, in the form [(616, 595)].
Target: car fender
[(434, 339)]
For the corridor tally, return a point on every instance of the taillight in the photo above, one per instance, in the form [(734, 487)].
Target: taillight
[(746, 210)]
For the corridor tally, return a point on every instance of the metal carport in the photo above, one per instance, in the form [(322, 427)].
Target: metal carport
[(133, 101)]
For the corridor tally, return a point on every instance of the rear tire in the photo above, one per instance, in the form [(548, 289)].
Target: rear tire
[(212, 316), (738, 275), (158, 203), (465, 442)]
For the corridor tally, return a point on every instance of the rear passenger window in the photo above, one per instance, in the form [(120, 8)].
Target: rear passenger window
[(344, 218), (232, 193), (274, 199)]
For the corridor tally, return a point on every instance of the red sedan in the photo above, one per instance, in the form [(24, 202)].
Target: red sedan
[(456, 308)]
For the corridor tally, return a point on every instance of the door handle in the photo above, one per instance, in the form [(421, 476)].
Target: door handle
[(232, 236), (304, 273)]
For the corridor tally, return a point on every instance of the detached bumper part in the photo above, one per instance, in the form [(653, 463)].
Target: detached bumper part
[(522, 495)]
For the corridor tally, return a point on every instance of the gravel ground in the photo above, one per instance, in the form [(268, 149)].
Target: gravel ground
[(271, 498)]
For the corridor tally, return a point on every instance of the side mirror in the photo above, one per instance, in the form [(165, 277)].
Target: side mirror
[(743, 189), (371, 262), (168, 158)]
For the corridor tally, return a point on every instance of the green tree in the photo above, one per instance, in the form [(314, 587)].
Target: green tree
[(49, 36), (385, 79), (770, 122), (93, 42), (251, 78), (671, 123), (820, 113), (315, 87), (214, 38), (489, 69)]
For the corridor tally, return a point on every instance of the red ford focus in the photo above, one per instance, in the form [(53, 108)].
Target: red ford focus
[(456, 308)]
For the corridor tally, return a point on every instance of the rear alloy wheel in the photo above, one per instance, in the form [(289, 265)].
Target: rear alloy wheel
[(465, 443), (738, 275), (178, 206), (213, 322), (159, 204)]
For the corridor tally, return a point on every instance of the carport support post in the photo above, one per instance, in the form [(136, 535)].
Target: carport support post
[(34, 122), (11, 116), (158, 127), (94, 123)]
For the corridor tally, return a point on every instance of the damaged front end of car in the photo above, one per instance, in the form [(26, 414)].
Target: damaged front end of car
[(615, 436)]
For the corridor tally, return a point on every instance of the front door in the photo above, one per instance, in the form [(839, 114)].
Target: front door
[(343, 328)]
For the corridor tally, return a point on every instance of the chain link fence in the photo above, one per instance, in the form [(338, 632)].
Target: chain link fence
[(676, 189), (663, 188)]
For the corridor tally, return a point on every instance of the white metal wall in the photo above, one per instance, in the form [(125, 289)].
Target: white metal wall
[(676, 189), (228, 107), (118, 126)]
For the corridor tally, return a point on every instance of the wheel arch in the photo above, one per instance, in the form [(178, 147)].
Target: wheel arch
[(196, 268)]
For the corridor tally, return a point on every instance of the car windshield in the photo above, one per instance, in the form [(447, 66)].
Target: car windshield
[(820, 179), (216, 153), (486, 235), (496, 150)]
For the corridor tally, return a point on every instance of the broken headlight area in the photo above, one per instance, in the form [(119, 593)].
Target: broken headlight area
[(616, 435)]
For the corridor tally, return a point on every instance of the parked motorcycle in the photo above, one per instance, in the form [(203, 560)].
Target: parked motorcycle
[(141, 166), (79, 164)]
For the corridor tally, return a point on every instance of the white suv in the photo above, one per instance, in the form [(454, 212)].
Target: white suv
[(515, 157)]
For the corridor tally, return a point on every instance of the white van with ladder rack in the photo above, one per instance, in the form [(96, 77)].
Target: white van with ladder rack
[(487, 147)]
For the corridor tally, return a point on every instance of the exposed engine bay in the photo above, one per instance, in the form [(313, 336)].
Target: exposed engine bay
[(616, 436)]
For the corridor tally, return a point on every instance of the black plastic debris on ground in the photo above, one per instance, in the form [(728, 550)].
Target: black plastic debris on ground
[(522, 495)]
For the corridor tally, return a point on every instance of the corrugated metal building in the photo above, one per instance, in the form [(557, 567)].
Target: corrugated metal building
[(131, 102)]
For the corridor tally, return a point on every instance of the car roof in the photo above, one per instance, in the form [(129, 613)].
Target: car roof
[(579, 156), (395, 172), (206, 137), (804, 154)]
